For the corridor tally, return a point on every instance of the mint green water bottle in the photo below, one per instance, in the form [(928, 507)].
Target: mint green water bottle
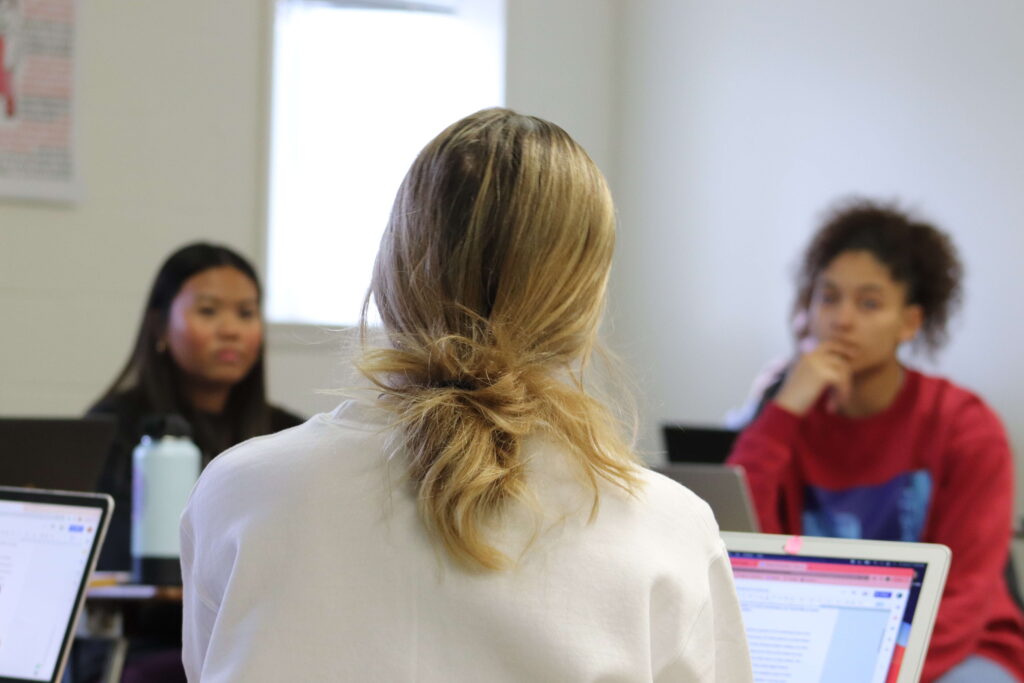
[(165, 466)]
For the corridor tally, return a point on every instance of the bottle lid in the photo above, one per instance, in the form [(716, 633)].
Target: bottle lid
[(172, 424)]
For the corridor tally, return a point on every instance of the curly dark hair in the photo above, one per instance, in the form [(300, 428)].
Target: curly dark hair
[(917, 254)]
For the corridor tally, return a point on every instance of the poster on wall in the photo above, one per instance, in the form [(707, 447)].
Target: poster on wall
[(37, 140)]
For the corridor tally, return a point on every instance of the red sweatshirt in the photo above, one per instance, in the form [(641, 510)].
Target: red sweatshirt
[(935, 466)]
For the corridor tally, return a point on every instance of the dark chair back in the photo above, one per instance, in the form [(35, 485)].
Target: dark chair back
[(1013, 584)]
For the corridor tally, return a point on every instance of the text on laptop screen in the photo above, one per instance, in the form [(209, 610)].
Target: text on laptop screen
[(44, 552), (826, 619)]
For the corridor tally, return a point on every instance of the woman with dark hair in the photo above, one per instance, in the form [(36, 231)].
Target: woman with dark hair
[(198, 353), (851, 442), (478, 515)]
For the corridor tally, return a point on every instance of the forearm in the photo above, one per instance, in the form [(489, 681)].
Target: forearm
[(765, 451)]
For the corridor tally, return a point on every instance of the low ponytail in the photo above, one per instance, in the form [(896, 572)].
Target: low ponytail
[(464, 409)]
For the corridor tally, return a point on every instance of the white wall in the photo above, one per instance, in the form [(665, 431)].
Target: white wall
[(560, 62), (739, 121)]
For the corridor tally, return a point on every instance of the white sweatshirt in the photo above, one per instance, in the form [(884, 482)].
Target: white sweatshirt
[(304, 559)]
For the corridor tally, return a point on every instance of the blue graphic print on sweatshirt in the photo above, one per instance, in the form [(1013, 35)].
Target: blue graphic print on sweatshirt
[(893, 511)]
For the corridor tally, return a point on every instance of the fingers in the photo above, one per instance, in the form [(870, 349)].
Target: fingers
[(834, 366), (838, 347), (838, 373), (839, 394), (813, 373)]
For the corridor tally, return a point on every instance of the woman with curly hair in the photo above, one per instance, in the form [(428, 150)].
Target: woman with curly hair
[(480, 516), (851, 442)]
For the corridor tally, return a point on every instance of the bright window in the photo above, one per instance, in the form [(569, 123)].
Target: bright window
[(357, 92)]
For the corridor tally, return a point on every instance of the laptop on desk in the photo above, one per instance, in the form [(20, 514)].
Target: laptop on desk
[(54, 453), (698, 443), (723, 487), (49, 541), (837, 610)]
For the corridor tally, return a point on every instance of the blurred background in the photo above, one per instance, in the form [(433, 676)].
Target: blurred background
[(724, 128)]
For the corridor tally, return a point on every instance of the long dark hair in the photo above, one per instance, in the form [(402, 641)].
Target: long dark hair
[(151, 376)]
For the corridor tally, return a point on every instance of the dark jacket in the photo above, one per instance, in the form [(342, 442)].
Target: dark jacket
[(213, 434)]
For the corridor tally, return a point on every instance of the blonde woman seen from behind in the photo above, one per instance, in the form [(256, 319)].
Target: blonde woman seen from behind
[(479, 517)]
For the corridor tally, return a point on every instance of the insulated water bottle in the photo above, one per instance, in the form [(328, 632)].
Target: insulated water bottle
[(165, 466)]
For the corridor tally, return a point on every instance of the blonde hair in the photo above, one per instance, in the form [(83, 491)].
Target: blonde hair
[(490, 282)]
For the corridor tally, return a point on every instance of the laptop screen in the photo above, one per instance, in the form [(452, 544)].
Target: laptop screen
[(826, 618), (46, 553), (698, 444)]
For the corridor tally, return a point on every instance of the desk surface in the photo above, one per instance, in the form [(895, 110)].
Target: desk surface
[(118, 586), (134, 592)]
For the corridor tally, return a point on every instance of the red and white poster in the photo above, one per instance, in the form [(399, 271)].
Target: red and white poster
[(37, 142)]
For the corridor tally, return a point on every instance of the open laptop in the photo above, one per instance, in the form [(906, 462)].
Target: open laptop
[(54, 453), (723, 487), (49, 541), (837, 610), (698, 443)]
